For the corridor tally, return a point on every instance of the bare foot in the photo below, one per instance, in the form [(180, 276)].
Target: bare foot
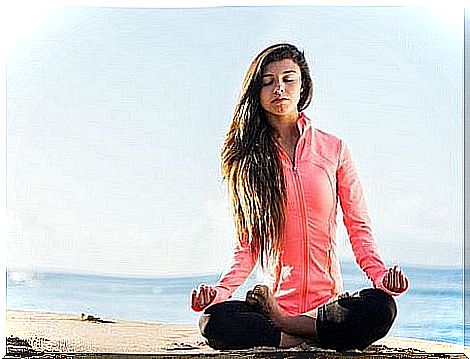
[(261, 297), (289, 341), (295, 329)]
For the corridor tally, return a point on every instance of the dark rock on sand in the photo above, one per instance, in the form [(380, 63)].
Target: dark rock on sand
[(20, 348), (90, 318)]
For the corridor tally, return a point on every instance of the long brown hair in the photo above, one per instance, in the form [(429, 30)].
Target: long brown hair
[(251, 164)]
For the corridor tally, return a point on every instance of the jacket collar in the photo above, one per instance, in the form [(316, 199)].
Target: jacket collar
[(303, 123)]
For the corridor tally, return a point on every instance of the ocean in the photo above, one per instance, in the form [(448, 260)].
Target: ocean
[(431, 309)]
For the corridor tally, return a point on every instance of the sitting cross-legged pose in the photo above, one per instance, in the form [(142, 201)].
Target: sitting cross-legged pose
[(285, 179)]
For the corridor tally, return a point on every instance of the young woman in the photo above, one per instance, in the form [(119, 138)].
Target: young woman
[(285, 179)]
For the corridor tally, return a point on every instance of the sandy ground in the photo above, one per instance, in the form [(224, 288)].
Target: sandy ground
[(56, 332)]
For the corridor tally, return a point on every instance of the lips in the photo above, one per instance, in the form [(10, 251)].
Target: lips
[(279, 99)]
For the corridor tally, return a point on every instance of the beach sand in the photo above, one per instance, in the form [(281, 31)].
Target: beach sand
[(32, 332)]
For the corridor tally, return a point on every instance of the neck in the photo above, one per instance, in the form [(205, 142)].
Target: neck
[(285, 126)]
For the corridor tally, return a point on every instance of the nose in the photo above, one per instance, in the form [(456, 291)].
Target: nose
[(280, 88)]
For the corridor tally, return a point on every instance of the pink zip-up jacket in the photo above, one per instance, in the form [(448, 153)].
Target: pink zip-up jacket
[(308, 274)]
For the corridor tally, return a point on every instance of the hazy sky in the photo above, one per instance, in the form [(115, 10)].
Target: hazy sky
[(115, 119)]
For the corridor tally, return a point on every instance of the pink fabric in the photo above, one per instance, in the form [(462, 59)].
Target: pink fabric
[(308, 274)]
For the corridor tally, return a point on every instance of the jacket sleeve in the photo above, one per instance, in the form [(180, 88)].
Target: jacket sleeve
[(357, 221), (240, 268)]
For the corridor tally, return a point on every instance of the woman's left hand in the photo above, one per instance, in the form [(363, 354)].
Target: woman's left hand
[(395, 280)]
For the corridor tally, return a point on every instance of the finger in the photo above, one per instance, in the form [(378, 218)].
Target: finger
[(397, 282), (390, 279), (403, 276), (193, 298), (250, 299), (195, 302), (200, 301), (385, 281), (395, 278), (202, 296), (407, 283), (207, 298), (213, 293), (402, 281)]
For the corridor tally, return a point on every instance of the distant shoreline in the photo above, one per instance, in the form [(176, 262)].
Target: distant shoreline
[(46, 270)]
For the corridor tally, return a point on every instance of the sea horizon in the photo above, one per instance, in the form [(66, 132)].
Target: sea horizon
[(44, 269)]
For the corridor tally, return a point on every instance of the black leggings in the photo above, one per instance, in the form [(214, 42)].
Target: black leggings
[(352, 322)]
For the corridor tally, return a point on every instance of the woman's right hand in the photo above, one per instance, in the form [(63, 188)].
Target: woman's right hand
[(202, 297), (395, 280)]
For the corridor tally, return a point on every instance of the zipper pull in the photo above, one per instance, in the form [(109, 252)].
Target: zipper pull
[(294, 169)]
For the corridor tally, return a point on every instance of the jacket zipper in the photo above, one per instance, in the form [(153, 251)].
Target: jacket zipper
[(328, 262), (300, 201), (299, 192)]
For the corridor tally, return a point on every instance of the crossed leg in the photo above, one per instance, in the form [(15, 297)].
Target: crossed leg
[(353, 322)]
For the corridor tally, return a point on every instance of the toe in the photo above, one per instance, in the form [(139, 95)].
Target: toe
[(251, 298), (264, 291)]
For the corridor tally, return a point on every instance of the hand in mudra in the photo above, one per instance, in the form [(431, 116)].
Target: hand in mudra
[(395, 280), (201, 298)]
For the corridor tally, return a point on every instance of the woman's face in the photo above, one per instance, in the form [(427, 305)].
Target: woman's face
[(280, 88)]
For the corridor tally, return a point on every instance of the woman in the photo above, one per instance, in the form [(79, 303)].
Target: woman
[(285, 178)]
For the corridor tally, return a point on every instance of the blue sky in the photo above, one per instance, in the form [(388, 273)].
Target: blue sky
[(115, 118)]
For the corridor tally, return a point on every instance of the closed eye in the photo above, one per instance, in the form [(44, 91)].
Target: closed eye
[(290, 79)]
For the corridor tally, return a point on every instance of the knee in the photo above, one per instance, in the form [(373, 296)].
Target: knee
[(385, 307), (209, 325), (203, 324), (212, 321), (389, 310)]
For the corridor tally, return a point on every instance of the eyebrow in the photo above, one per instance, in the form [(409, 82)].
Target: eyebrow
[(285, 72)]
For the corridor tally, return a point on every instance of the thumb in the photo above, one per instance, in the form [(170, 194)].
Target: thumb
[(213, 292)]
